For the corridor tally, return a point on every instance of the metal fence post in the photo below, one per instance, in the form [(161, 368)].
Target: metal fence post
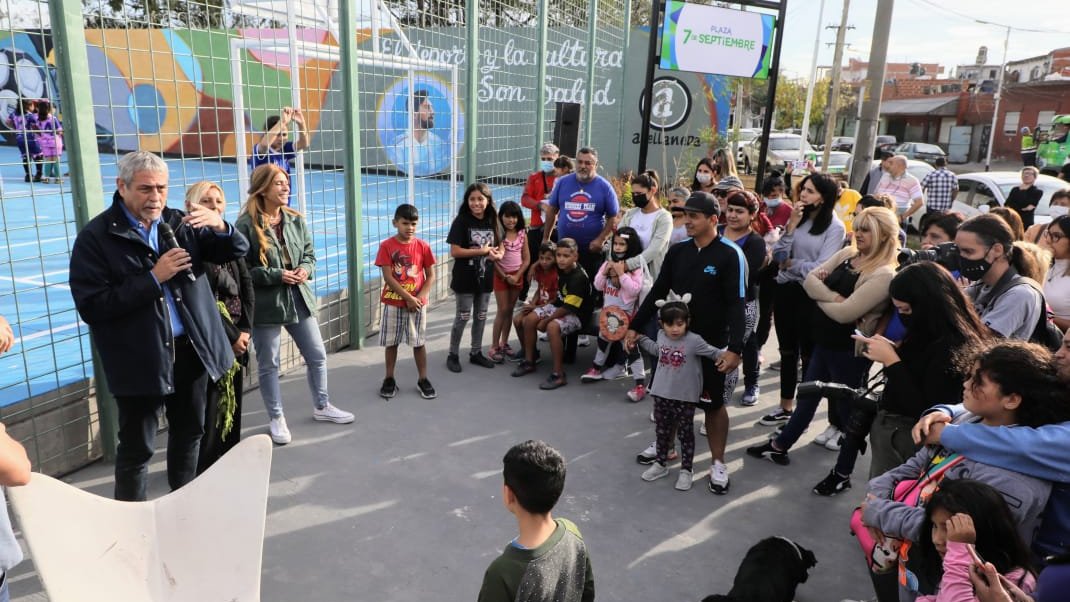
[(627, 35), (471, 102), (592, 50), (80, 137), (540, 85), (354, 241)]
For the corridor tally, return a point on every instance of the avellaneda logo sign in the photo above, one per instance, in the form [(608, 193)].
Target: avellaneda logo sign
[(708, 39), (672, 103)]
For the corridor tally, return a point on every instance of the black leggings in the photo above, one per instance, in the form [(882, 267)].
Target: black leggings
[(792, 311)]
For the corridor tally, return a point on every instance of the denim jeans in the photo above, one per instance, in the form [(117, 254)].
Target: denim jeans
[(306, 335), (138, 424), (466, 304), (5, 594), (830, 366)]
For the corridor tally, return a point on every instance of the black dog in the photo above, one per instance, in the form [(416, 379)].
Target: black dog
[(770, 572)]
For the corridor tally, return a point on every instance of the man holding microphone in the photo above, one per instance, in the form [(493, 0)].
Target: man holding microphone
[(137, 278)]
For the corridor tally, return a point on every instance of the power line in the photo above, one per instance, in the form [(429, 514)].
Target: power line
[(974, 19)]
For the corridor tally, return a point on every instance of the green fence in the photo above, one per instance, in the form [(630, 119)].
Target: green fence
[(402, 102)]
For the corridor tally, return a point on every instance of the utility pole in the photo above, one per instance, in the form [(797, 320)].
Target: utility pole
[(871, 107), (834, 100), (805, 132), (999, 93)]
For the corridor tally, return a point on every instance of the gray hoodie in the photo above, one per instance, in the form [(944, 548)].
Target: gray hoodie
[(679, 373)]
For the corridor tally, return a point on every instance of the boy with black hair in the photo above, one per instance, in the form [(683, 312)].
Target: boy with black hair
[(561, 318), (548, 560), (408, 268)]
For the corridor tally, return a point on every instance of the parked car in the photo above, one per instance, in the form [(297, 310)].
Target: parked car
[(839, 163), (982, 190), (782, 148), (745, 136), (920, 151), (843, 143), (887, 143)]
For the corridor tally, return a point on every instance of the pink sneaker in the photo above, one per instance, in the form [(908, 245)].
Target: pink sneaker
[(637, 394), (591, 375)]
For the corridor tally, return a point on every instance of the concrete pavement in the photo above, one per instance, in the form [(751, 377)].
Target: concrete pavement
[(405, 504)]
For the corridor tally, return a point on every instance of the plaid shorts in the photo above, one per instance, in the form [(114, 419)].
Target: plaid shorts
[(399, 326), (569, 324)]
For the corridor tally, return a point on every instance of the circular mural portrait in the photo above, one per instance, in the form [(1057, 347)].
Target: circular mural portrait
[(414, 124)]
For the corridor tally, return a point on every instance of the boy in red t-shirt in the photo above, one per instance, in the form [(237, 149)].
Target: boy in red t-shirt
[(408, 267)]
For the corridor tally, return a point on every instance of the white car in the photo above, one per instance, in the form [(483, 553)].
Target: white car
[(745, 136), (782, 148), (982, 190)]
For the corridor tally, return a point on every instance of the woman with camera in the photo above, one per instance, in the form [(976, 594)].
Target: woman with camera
[(851, 292), (940, 322)]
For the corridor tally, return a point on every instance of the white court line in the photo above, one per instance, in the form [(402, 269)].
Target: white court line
[(33, 242), (44, 333)]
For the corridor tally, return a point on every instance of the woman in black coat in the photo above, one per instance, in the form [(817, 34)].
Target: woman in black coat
[(1025, 197), (233, 287)]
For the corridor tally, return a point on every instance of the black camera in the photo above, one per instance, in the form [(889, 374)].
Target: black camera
[(864, 403), (945, 254)]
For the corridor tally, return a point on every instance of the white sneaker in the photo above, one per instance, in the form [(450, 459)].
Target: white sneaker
[(655, 472), (719, 481), (683, 480), (835, 443), (652, 419), (829, 433), (612, 372), (330, 413), (584, 341), (280, 433), (702, 428)]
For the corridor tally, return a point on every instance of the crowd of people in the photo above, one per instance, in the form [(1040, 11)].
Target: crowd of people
[(681, 292), (39, 138), (927, 358)]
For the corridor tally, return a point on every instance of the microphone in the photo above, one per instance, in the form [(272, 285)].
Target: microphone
[(168, 236)]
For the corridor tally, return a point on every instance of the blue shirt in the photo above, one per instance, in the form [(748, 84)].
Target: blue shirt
[(582, 208), (150, 236)]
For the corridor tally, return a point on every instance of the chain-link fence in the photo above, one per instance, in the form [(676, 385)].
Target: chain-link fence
[(197, 82)]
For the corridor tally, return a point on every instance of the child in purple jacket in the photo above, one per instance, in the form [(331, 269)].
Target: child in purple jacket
[(50, 139)]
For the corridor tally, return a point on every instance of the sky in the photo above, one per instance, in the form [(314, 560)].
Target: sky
[(925, 31)]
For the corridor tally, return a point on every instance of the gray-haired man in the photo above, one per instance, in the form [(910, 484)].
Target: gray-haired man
[(153, 316)]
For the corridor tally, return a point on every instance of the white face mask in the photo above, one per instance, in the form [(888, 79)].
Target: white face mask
[(703, 178), (1057, 211)]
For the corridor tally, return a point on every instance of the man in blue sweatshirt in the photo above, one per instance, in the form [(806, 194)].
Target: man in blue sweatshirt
[(1038, 452)]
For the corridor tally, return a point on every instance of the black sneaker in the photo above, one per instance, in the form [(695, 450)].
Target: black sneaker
[(453, 363), (780, 416), (479, 359), (389, 388), (766, 450), (426, 390), (832, 484), (553, 381), (524, 368)]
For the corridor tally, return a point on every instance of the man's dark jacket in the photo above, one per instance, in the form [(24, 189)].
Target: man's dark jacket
[(119, 299)]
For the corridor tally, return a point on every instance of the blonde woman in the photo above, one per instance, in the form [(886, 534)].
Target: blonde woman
[(281, 261), (851, 292), (233, 287)]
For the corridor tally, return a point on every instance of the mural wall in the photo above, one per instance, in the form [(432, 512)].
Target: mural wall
[(171, 91)]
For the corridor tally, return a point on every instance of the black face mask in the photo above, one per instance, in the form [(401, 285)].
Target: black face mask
[(640, 199), (907, 320), (973, 269)]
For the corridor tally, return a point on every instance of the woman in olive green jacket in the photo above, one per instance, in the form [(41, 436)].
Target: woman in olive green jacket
[(281, 262)]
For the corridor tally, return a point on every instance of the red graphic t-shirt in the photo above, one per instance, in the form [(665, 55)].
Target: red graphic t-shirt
[(406, 262)]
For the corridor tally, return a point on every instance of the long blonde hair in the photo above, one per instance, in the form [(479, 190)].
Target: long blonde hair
[(884, 226), (197, 191), (259, 182)]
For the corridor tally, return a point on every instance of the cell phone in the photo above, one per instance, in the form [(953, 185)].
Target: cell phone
[(798, 164), (973, 554)]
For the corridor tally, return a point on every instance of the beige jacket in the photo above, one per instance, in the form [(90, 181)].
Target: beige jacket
[(867, 302)]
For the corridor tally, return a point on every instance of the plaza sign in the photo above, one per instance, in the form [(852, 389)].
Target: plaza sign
[(708, 39)]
